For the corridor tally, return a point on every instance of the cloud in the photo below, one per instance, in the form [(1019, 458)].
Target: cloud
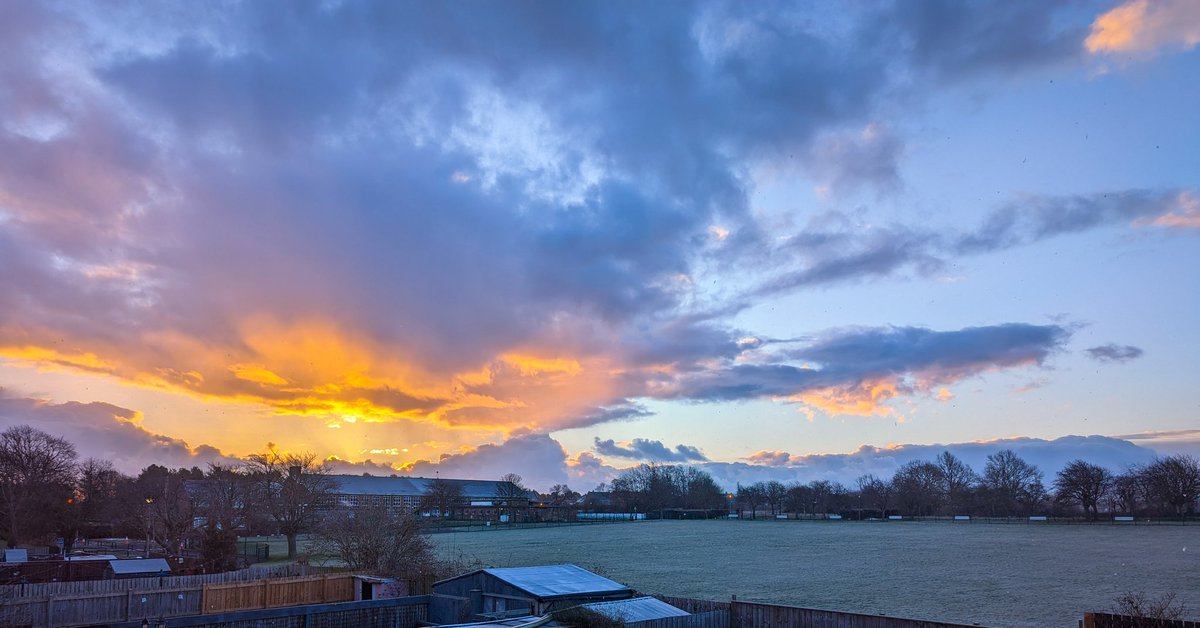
[(1141, 26), (539, 459), (1186, 441), (649, 451), (105, 431), (857, 370), (468, 214), (1115, 353), (1113, 453)]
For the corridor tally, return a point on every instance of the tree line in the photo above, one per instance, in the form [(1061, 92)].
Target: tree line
[(1007, 486)]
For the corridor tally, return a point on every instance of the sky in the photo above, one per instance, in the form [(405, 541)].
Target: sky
[(774, 240)]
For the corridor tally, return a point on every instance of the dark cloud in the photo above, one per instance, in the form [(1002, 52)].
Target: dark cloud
[(105, 431), (855, 362), (540, 460), (1115, 353), (649, 451)]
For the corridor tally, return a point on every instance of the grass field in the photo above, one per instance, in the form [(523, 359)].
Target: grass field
[(994, 575)]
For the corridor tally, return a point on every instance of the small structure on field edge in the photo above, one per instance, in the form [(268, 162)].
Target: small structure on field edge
[(138, 568), (521, 591)]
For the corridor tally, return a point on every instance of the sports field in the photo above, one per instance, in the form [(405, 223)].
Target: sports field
[(994, 575)]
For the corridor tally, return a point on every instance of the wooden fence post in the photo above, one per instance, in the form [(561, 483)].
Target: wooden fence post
[(50, 611), (734, 619)]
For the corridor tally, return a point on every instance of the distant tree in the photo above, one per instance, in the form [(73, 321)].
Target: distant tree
[(511, 487), (1146, 611), (222, 499), (168, 510), (98, 496), (1083, 483), (443, 497), (774, 492), (918, 487), (875, 493), (1126, 491), (1173, 482), (561, 496), (958, 482), (37, 479), (700, 490), (799, 498), (370, 539), (1012, 484), (291, 487), (752, 496)]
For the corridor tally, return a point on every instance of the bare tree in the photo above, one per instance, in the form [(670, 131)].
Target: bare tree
[(1011, 483), (774, 492), (918, 487), (1126, 491), (443, 496), (875, 492), (1083, 483), (561, 496), (751, 496), (37, 478), (1174, 482), (370, 539), (958, 482), (292, 487), (1146, 611)]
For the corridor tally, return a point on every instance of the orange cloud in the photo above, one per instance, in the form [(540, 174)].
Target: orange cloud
[(1144, 26), (863, 399)]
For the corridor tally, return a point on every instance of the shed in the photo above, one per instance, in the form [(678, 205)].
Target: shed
[(636, 609), (16, 555), (139, 568), (512, 591)]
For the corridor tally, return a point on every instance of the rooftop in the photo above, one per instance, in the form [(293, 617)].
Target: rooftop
[(379, 485), (550, 581), (636, 609)]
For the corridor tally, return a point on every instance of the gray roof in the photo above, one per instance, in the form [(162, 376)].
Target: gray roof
[(16, 555), (551, 581), (140, 565), (636, 609), (378, 485)]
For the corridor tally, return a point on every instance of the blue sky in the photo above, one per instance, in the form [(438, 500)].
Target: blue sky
[(569, 238)]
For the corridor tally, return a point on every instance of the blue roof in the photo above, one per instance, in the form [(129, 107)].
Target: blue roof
[(379, 485), (636, 609), (140, 565), (549, 581)]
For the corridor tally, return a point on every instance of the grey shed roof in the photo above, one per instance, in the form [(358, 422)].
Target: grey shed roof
[(636, 609), (139, 565), (377, 485), (551, 581)]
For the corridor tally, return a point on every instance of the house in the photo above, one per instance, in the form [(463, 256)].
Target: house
[(521, 591)]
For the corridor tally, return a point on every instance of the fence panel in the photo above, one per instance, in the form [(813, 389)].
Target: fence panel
[(220, 598), (711, 619), (770, 615), (1106, 620), (692, 605)]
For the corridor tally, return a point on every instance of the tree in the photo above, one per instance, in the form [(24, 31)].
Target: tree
[(443, 497), (918, 485), (1125, 491), (1174, 482), (876, 493), (37, 478), (370, 539), (292, 487), (97, 495), (957, 482), (751, 496), (222, 499), (1011, 483), (700, 490), (774, 492), (167, 509), (1083, 483), (561, 496)]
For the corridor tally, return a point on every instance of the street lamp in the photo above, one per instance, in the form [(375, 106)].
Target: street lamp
[(149, 501)]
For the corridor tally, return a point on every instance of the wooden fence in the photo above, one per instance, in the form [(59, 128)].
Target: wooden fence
[(82, 587), (752, 615), (222, 598), (711, 619), (1105, 620), (110, 601)]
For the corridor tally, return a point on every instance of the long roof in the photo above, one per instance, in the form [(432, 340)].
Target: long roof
[(636, 609), (139, 565), (401, 486), (552, 581)]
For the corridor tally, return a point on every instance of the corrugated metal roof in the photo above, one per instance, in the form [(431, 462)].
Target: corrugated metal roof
[(549, 581), (636, 609), (377, 485), (139, 565)]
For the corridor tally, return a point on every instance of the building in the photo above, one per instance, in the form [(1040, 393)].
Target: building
[(521, 591), (490, 500), (636, 609)]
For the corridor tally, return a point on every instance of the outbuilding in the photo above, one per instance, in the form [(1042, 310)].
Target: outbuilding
[(518, 591), (636, 609), (138, 568)]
